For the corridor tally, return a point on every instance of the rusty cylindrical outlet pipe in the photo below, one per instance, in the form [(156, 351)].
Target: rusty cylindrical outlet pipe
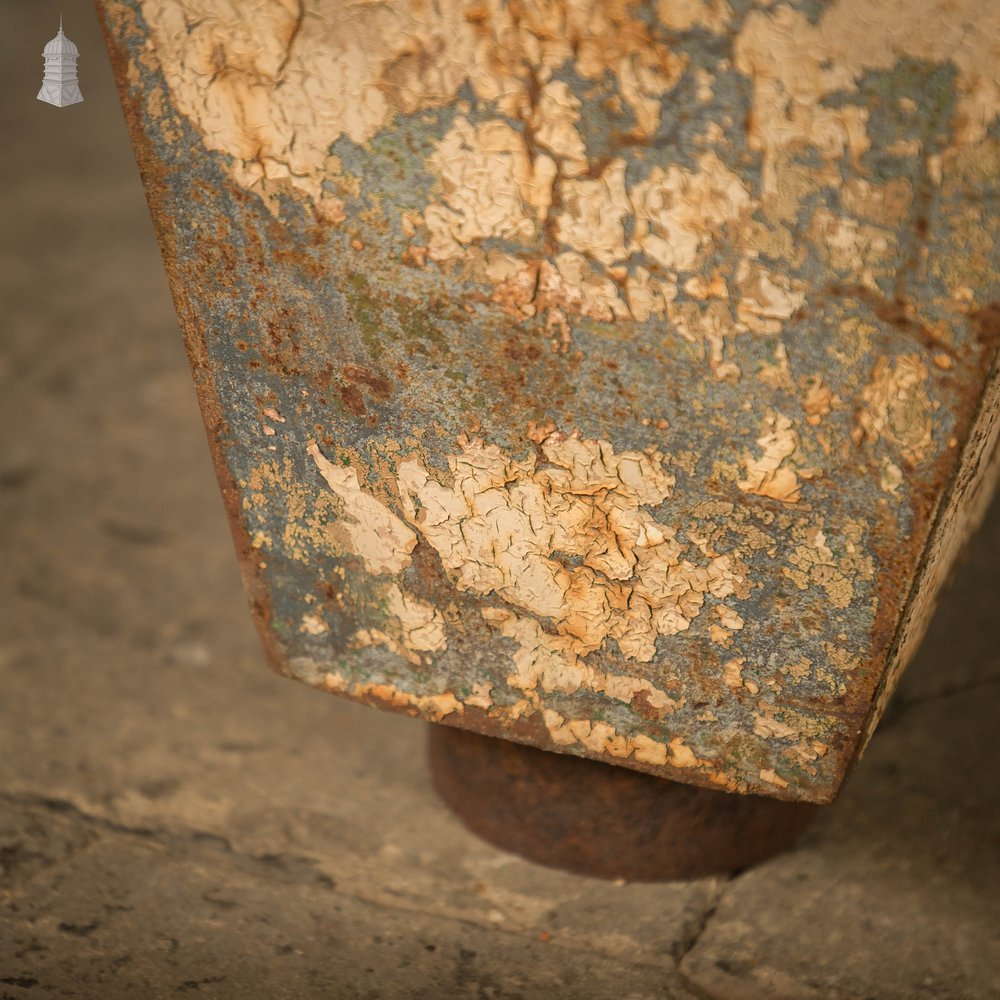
[(594, 819)]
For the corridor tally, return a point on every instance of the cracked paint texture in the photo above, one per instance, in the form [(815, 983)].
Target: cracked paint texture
[(614, 377)]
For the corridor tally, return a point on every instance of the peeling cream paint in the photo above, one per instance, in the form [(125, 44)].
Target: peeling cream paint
[(648, 296), (729, 618), (771, 728), (526, 177), (897, 408), (552, 663), (308, 521), (603, 738), (676, 210), (767, 475), (772, 778), (568, 540), (481, 696), (492, 188), (381, 539), (811, 563), (313, 625), (593, 214), (492, 185), (818, 399), (683, 15), (767, 298), (732, 672), (853, 248), (795, 64), (432, 706), (365, 62), (554, 123), (413, 627), (500, 191), (891, 478)]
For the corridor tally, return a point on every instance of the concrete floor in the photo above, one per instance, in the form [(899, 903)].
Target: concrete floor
[(176, 821)]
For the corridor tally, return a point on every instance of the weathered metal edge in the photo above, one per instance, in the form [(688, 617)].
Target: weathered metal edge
[(959, 512), (256, 590)]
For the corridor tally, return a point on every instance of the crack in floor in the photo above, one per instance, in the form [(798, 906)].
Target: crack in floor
[(899, 706), (690, 939), (302, 869)]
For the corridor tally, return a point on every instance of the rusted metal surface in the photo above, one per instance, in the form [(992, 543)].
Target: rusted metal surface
[(592, 819), (614, 378)]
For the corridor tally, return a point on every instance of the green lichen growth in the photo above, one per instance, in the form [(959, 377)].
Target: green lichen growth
[(365, 311), (416, 321)]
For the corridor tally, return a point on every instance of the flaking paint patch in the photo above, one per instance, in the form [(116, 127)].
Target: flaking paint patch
[(818, 398), (497, 179), (676, 210), (683, 15), (897, 408), (553, 663), (811, 563), (728, 617), (768, 298), (772, 778), (413, 627), (493, 188), (767, 475), (852, 247), (432, 706), (732, 672), (597, 737), (308, 521), (382, 540), (228, 64), (674, 216), (603, 738), (795, 64), (313, 625), (569, 539), (585, 239)]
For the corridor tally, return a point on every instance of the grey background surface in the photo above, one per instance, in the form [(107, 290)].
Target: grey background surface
[(176, 821)]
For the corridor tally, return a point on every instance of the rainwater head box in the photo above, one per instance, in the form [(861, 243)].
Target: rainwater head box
[(615, 378)]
